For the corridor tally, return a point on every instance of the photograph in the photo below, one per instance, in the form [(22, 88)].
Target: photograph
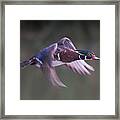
[(59, 59)]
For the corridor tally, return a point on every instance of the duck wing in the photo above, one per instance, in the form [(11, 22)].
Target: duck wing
[(50, 51), (53, 77), (80, 66), (66, 43), (49, 70)]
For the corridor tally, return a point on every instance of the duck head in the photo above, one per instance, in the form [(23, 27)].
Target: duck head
[(87, 55)]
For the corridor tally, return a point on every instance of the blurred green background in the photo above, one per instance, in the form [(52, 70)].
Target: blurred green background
[(37, 34)]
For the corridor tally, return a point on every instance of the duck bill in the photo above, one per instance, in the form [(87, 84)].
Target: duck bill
[(95, 58)]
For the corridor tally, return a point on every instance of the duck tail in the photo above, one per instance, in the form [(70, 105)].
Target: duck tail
[(25, 63)]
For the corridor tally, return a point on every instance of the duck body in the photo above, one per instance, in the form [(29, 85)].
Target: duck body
[(67, 55)]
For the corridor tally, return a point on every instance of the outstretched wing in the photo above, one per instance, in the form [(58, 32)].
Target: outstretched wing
[(80, 66), (49, 70), (52, 76), (66, 43)]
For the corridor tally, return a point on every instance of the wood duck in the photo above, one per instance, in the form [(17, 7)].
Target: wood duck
[(65, 53)]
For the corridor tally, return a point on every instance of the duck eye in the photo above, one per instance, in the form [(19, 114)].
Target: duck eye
[(89, 56)]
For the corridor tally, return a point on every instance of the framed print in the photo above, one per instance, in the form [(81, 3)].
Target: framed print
[(59, 59)]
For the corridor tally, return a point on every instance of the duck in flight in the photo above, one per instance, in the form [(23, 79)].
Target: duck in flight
[(60, 53)]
